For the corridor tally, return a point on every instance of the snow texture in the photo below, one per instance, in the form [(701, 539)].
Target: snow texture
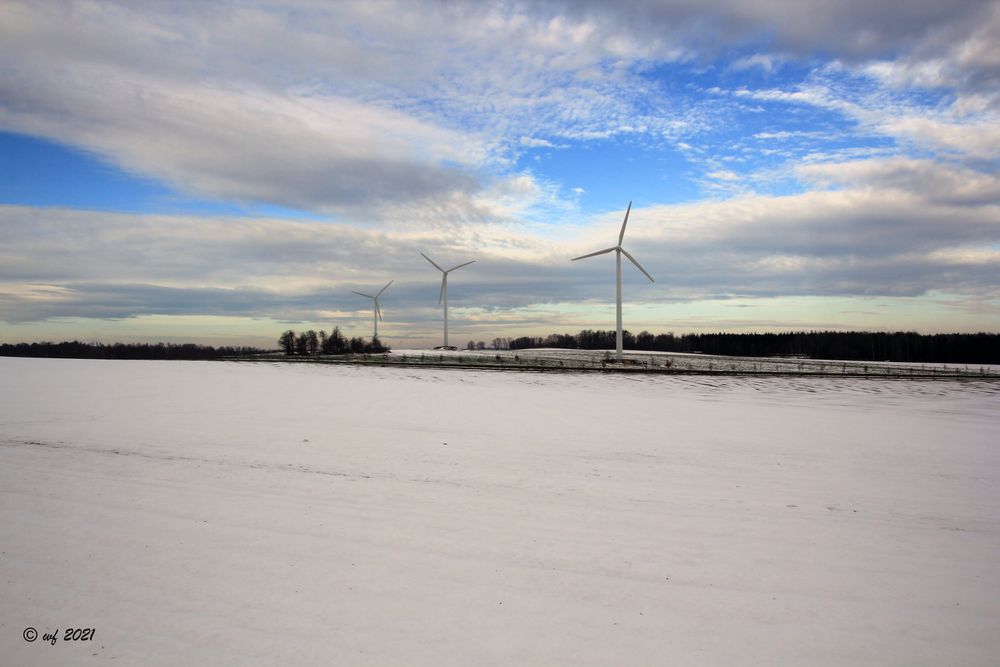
[(235, 513)]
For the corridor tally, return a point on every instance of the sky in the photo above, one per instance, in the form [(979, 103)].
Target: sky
[(221, 172)]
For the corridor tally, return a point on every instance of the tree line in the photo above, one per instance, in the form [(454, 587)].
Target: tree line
[(978, 348), (955, 348), (305, 343), (496, 344), (312, 342), (77, 350)]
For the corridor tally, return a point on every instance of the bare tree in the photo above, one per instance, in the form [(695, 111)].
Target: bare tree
[(287, 342)]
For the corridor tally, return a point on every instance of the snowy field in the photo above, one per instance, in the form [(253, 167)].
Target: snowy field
[(237, 513)]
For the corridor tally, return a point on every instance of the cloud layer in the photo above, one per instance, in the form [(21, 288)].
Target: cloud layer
[(328, 107), (871, 234)]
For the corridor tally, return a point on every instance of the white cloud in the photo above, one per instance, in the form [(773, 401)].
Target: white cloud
[(251, 144), (317, 107), (892, 227), (788, 134), (961, 129), (532, 142), (767, 63), (961, 57), (934, 181), (329, 106), (976, 139)]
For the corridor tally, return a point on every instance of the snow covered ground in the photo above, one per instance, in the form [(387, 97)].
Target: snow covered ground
[(237, 513)]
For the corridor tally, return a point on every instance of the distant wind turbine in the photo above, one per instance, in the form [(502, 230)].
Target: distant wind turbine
[(619, 251), (378, 311), (443, 296)]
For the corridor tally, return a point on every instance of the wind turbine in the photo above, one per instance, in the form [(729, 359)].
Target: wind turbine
[(619, 251), (443, 296), (378, 311)]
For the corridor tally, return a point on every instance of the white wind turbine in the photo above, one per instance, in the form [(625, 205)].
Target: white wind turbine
[(443, 296), (619, 251), (378, 311)]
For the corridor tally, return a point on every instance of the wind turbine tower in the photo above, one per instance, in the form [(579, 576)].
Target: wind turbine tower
[(619, 251), (443, 296), (377, 315)]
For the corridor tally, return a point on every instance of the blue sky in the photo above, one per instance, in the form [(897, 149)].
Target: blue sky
[(220, 173)]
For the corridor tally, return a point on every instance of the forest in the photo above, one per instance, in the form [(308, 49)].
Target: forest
[(955, 348)]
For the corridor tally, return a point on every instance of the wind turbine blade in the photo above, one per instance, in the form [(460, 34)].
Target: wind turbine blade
[(360, 294), (378, 311), (637, 265), (433, 262), (441, 293), (621, 235), (384, 288), (459, 266), (599, 252)]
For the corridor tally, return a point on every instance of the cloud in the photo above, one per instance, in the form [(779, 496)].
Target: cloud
[(350, 109), (120, 301), (766, 63), (978, 138), (532, 142), (934, 181), (866, 112), (788, 134), (723, 175), (251, 145), (855, 29), (958, 55), (336, 107), (886, 227)]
